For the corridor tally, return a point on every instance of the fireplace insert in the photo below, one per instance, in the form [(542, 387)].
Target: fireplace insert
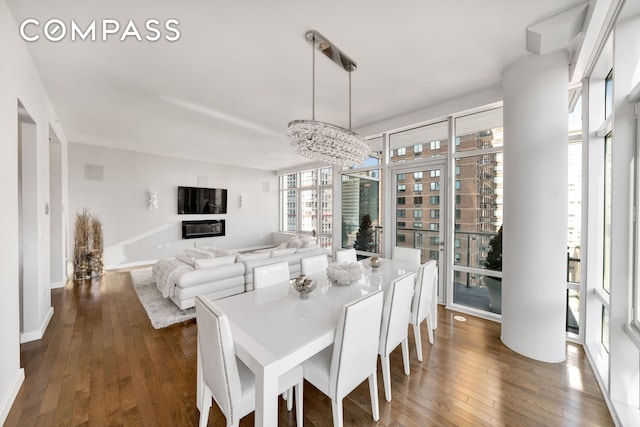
[(203, 228)]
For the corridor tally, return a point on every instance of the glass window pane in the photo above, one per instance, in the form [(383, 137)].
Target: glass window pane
[(606, 259), (308, 211), (604, 335), (327, 211), (479, 212), (288, 181), (608, 95), (360, 198), (574, 211), (424, 141), (480, 130), (289, 211), (308, 178), (326, 176), (573, 311)]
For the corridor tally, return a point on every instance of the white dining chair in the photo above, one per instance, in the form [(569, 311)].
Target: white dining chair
[(270, 274), (394, 331), (425, 303), (337, 370), (225, 378), (316, 264), (406, 254), (346, 255)]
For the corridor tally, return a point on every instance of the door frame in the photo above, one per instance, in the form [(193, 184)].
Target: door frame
[(390, 199)]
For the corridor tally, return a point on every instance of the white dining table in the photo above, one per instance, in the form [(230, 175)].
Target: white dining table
[(275, 330)]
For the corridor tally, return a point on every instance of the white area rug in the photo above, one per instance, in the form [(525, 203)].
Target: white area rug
[(162, 312)]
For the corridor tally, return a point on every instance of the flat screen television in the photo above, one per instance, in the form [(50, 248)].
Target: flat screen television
[(198, 200)]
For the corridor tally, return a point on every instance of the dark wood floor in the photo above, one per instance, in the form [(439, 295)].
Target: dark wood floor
[(102, 363)]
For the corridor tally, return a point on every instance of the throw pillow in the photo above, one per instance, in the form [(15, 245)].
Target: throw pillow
[(214, 262), (294, 242), (198, 253), (186, 259)]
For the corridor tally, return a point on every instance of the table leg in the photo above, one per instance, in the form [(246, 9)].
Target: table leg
[(267, 396)]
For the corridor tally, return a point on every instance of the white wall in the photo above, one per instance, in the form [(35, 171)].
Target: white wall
[(132, 233), (19, 80)]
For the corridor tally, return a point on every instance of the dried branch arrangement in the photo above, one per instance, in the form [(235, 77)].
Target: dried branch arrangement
[(88, 245)]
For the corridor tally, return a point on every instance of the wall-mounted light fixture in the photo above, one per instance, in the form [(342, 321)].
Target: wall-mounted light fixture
[(152, 199)]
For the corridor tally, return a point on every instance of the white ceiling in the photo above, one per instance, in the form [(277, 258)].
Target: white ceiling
[(241, 70)]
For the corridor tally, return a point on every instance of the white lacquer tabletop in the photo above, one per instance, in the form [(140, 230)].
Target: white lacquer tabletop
[(275, 324)]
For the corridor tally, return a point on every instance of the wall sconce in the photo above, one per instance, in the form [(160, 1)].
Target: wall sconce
[(152, 199), (243, 201)]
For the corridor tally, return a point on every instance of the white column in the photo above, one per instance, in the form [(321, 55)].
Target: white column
[(535, 206)]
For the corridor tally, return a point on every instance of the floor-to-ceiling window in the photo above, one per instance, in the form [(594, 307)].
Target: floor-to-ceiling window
[(361, 188), (306, 203), (478, 199), (574, 209)]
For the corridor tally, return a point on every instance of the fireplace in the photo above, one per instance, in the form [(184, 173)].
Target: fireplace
[(203, 228)]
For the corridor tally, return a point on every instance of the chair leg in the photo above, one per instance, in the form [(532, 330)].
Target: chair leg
[(386, 377), (418, 339), (289, 399), (205, 405), (299, 412), (373, 391), (405, 355), (430, 327), (199, 376), (336, 409)]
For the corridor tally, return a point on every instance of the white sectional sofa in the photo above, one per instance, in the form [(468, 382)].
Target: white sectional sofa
[(219, 273)]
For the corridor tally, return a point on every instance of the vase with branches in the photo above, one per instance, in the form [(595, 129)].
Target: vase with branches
[(88, 245)]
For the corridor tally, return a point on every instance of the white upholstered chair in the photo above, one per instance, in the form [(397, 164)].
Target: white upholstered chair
[(346, 255), (425, 303), (270, 274), (224, 377), (394, 331), (406, 254), (340, 368), (316, 264)]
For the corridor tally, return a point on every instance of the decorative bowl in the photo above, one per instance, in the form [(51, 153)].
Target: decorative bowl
[(303, 285), (375, 261), (344, 273)]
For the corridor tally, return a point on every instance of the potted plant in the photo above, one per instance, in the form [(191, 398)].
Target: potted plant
[(364, 236), (494, 262)]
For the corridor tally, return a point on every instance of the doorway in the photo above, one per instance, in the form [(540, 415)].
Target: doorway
[(420, 210), (27, 221), (56, 218)]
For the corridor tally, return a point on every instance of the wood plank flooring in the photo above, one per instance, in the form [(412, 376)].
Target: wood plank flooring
[(102, 363)]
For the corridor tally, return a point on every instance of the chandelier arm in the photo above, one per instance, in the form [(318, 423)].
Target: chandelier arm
[(349, 99), (313, 82)]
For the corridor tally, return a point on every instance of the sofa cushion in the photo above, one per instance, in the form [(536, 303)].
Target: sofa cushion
[(209, 275), (254, 256), (214, 262), (282, 252), (309, 248)]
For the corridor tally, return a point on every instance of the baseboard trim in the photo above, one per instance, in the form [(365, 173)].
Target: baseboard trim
[(38, 334), (57, 285), (12, 393)]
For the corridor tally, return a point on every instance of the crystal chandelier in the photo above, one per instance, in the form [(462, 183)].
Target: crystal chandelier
[(324, 141)]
